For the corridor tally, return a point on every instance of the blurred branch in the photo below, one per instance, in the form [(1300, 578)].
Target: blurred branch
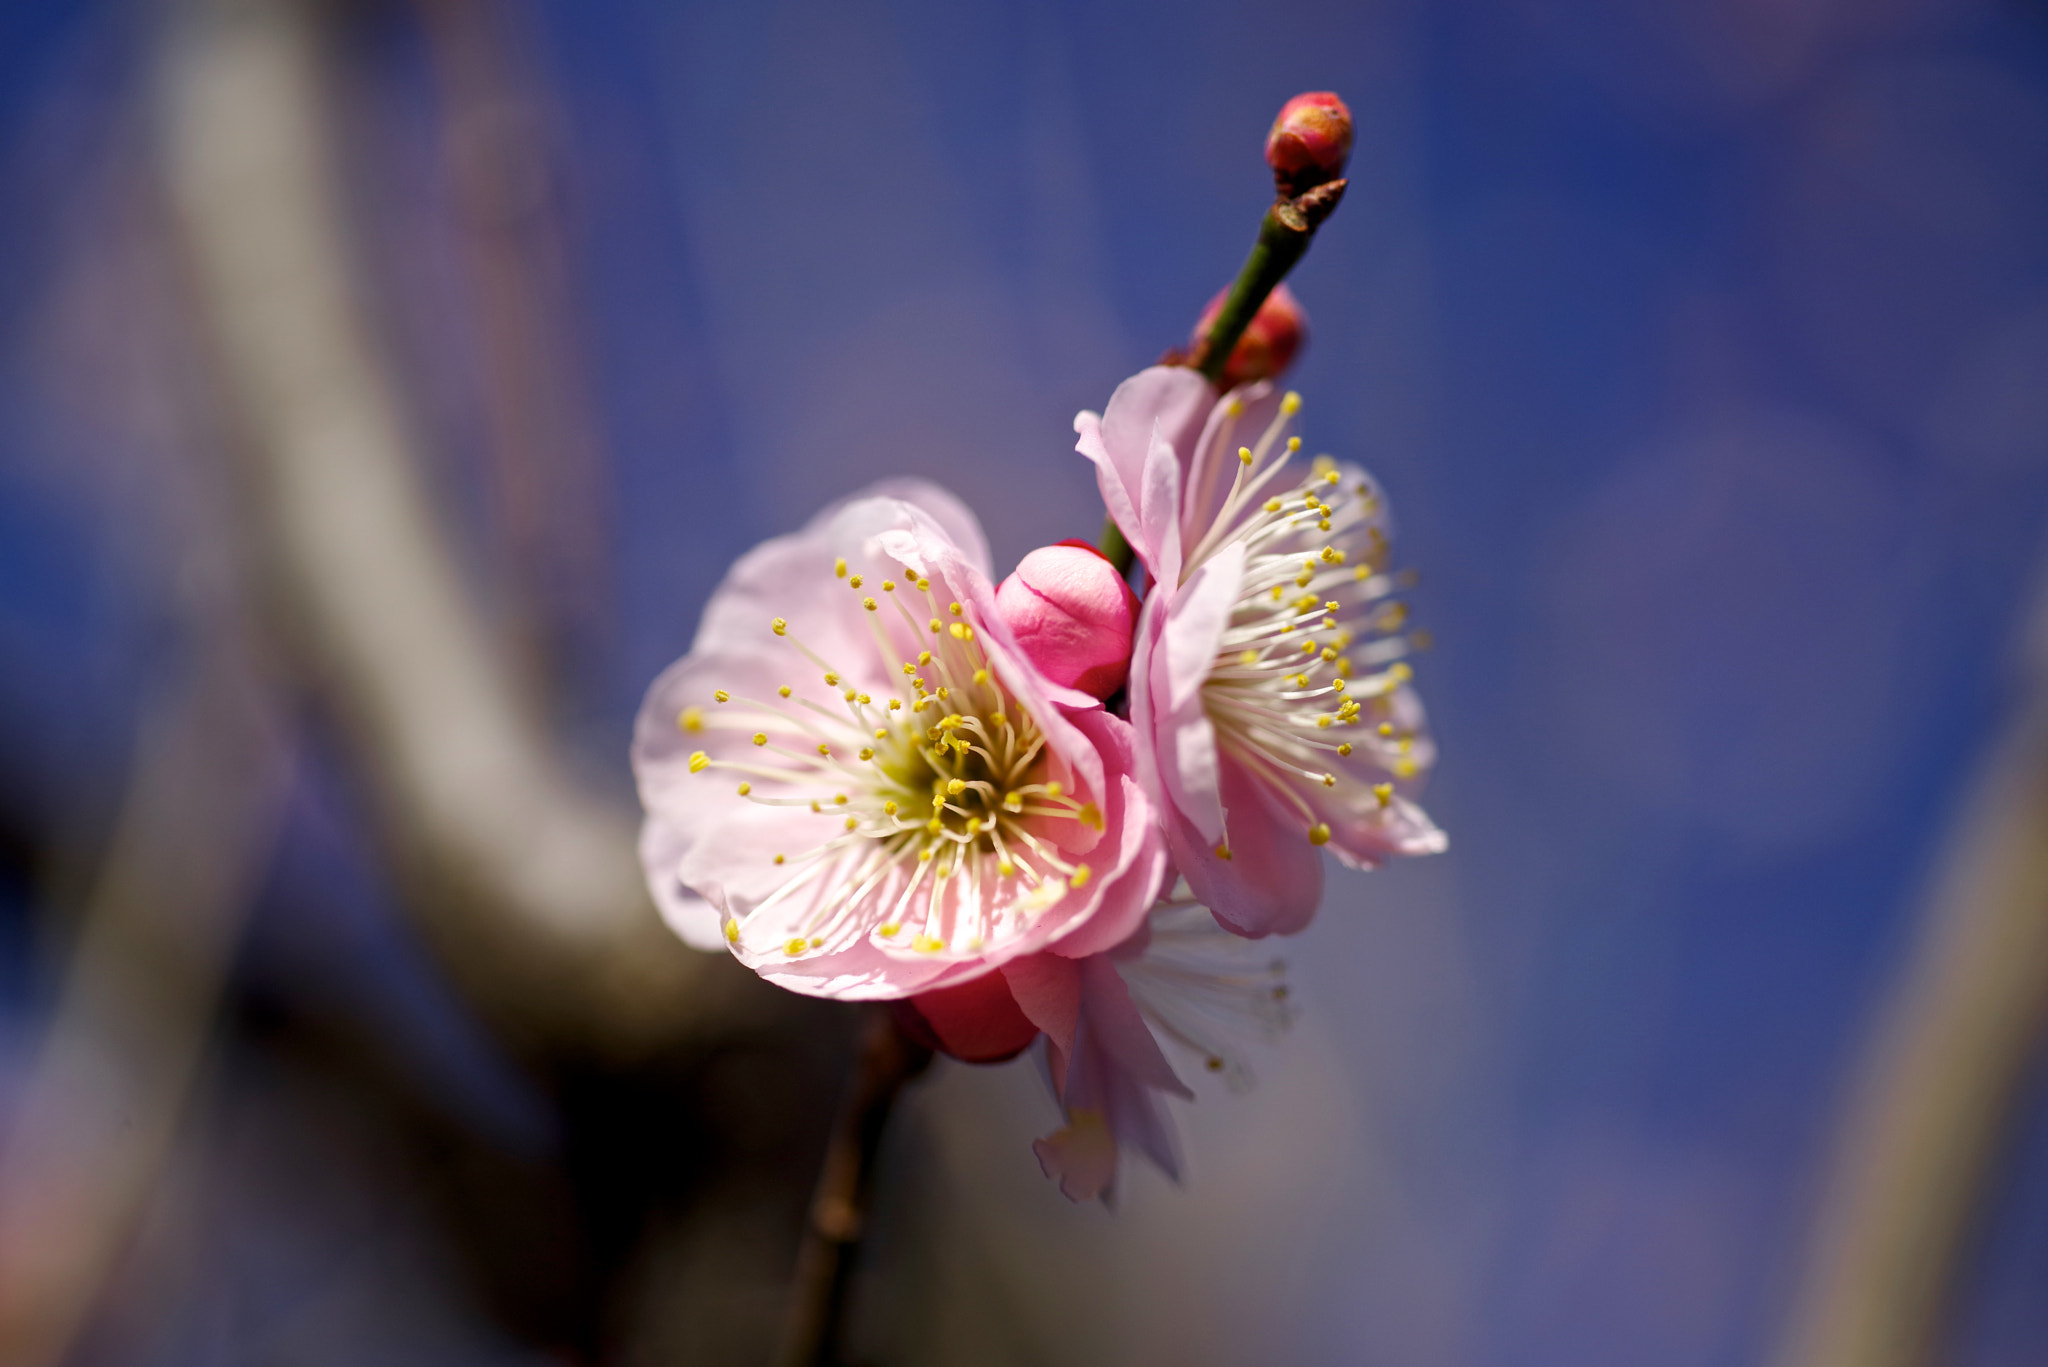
[(158, 930), (816, 1316), (500, 155), (1922, 1138), (526, 882)]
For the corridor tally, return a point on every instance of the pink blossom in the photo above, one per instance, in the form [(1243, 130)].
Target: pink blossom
[(1268, 690), (1180, 980), (1072, 614), (857, 781)]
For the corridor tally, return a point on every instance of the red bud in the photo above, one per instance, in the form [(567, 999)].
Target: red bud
[(1310, 142), (1268, 345)]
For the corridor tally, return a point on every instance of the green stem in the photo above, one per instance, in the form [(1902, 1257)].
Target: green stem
[(1280, 245), (1115, 549)]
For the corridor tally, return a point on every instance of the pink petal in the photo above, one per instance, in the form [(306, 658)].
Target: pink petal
[(1273, 881), (1170, 399), (1048, 991), (1081, 1157)]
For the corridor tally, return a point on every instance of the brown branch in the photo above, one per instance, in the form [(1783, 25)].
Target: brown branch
[(525, 880), (839, 1207), (1922, 1138)]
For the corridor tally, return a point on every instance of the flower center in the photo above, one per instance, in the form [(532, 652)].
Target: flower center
[(946, 785)]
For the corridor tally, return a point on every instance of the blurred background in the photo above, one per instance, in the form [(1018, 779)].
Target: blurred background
[(384, 386)]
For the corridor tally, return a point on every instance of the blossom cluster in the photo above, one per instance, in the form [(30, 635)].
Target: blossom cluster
[(1051, 806)]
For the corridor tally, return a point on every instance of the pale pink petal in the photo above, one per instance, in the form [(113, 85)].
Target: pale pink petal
[(692, 918), (1081, 1156), (1183, 649), (1213, 462), (1115, 1072), (1196, 617), (1168, 399), (953, 518), (1047, 989), (1273, 880), (1160, 506)]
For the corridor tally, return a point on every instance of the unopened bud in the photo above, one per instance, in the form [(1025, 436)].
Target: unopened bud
[(1072, 614), (1268, 345), (978, 1021), (1310, 142)]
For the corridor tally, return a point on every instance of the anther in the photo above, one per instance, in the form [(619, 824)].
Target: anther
[(954, 608), (1319, 834), (854, 582), (779, 626), (722, 695), (1079, 878), (745, 788), (839, 567), (1244, 455), (784, 690), (1223, 852), (760, 738), (699, 761), (1345, 748), (831, 681), (888, 586), (1384, 792), (825, 750), (691, 719), (868, 603)]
